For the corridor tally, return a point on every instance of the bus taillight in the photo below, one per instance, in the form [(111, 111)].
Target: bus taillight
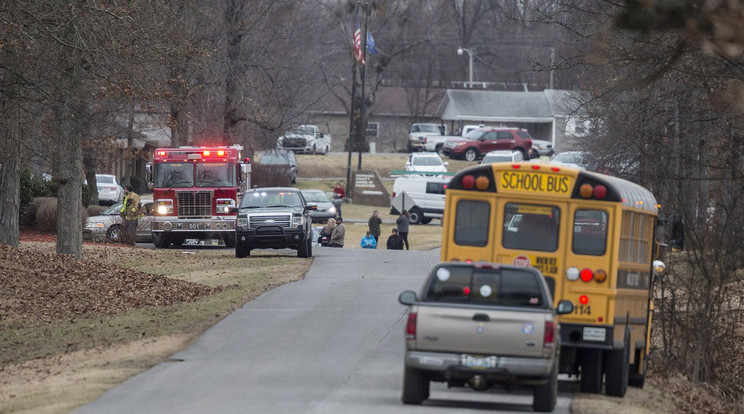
[(586, 275), (583, 299), (600, 276)]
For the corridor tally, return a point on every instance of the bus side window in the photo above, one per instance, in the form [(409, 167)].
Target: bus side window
[(589, 232), (472, 222)]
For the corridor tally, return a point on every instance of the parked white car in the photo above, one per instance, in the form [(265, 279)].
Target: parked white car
[(429, 162), (542, 148), (110, 190), (502, 156), (571, 159)]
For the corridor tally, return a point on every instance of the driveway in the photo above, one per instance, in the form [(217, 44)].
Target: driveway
[(330, 343)]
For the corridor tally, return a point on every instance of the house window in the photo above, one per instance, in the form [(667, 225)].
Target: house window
[(372, 128)]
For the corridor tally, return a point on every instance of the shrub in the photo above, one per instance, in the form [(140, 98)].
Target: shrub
[(45, 218), (95, 210), (138, 184), (42, 215), (33, 187)]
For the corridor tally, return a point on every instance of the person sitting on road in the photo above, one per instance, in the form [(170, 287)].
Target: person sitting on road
[(395, 242), (325, 234), (337, 237), (368, 241)]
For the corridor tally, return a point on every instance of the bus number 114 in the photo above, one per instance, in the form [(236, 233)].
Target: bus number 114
[(582, 310)]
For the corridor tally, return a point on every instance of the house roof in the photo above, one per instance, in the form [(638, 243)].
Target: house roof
[(495, 106), (462, 104), (509, 106)]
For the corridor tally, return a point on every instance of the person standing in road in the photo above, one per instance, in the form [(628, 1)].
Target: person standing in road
[(374, 226), (337, 237), (339, 194), (131, 212), (394, 242), (403, 221), (368, 241)]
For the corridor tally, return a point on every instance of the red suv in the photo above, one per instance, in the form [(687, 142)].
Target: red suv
[(479, 142)]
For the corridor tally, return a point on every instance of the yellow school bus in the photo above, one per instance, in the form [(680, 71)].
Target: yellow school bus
[(592, 237)]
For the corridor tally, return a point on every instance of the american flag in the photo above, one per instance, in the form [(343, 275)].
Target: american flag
[(358, 53)]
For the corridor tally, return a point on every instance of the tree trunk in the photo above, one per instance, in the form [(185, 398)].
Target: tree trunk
[(89, 162), (234, 11), (10, 164), (71, 127)]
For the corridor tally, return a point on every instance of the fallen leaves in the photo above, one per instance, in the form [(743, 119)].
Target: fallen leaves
[(39, 286)]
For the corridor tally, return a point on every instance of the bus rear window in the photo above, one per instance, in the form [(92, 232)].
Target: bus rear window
[(472, 222), (531, 227), (590, 232)]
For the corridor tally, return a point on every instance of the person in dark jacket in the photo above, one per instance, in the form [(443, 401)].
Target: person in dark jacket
[(403, 222), (394, 242), (374, 226), (337, 237)]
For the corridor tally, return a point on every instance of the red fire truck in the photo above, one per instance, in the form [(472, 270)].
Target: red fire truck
[(193, 189)]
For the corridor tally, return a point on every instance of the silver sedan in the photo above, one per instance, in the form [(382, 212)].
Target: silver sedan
[(108, 225)]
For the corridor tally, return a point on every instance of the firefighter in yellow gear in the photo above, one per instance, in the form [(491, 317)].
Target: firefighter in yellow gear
[(131, 212)]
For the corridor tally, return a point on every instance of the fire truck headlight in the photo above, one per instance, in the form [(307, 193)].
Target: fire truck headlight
[(224, 204), (164, 207)]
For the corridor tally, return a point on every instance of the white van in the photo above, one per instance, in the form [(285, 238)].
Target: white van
[(423, 197)]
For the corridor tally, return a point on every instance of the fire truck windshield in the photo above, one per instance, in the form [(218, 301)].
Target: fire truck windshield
[(215, 174), (187, 175)]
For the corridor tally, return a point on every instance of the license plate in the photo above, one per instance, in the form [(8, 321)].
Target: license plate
[(471, 361), (594, 334)]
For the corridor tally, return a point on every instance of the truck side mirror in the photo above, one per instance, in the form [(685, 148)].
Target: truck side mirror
[(407, 297), (564, 307)]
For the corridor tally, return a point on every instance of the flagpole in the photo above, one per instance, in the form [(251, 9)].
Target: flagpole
[(363, 104), (351, 118)]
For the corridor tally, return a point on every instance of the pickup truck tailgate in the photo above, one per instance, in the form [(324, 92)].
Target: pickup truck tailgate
[(473, 330)]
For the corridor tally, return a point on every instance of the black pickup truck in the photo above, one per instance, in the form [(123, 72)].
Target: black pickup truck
[(273, 218), (482, 324)]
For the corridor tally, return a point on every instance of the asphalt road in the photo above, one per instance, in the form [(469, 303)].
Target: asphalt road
[(330, 343)]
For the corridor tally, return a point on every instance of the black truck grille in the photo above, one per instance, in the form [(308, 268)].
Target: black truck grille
[(195, 204), (280, 221)]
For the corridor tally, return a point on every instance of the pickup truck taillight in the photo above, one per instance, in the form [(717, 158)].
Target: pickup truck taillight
[(549, 334), (411, 326)]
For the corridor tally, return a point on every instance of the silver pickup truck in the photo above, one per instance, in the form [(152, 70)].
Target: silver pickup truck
[(482, 324)]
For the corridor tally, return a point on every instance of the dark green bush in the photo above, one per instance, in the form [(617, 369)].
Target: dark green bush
[(138, 184)]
